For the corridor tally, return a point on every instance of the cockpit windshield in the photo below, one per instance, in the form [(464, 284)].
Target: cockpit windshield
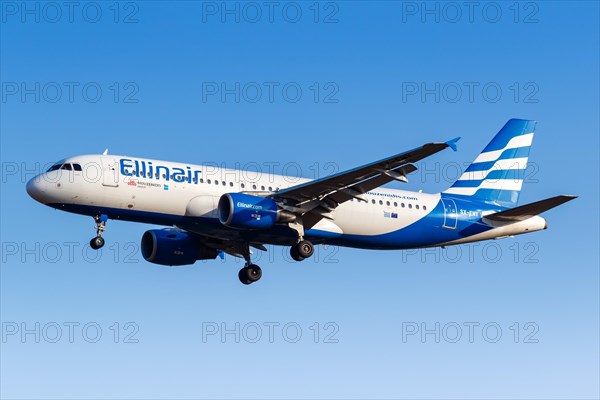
[(54, 167), (66, 166)]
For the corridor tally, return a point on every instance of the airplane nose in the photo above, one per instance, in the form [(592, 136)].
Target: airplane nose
[(35, 190)]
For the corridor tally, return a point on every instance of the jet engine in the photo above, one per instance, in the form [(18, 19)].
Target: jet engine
[(171, 247), (244, 211)]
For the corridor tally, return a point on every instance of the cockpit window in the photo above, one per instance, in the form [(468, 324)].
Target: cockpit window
[(67, 166), (54, 167)]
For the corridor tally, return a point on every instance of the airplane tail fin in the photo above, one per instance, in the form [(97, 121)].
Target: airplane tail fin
[(497, 174)]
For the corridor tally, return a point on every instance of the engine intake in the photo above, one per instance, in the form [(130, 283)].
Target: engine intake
[(244, 211), (170, 247)]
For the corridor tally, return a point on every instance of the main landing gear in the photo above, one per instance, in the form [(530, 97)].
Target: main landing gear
[(97, 242), (302, 250), (251, 272)]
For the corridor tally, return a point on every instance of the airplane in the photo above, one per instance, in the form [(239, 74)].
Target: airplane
[(212, 213)]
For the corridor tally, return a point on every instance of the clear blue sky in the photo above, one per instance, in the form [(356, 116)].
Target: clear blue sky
[(390, 76)]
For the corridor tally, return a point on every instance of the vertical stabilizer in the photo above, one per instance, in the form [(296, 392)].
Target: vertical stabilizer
[(497, 174)]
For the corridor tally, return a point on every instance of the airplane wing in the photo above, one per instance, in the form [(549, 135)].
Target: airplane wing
[(529, 210), (314, 200), (232, 243)]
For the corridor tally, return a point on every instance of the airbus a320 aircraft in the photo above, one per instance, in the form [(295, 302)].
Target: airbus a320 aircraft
[(209, 214)]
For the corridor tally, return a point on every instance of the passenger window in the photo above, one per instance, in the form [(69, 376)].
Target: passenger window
[(380, 202), (403, 205), (254, 187), (208, 181), (424, 208), (417, 206), (373, 201), (231, 184), (409, 205), (216, 182), (242, 185), (387, 203), (201, 180), (395, 204), (262, 188), (270, 188)]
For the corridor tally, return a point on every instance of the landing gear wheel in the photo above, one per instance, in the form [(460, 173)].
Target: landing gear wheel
[(97, 242), (305, 248), (295, 255), (250, 274), (254, 272), (243, 276)]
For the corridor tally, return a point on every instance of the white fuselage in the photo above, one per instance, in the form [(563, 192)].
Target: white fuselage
[(153, 187)]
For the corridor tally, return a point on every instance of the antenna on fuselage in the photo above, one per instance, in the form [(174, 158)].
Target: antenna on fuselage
[(105, 152)]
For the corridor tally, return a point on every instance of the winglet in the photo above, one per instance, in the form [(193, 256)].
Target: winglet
[(105, 152), (452, 143)]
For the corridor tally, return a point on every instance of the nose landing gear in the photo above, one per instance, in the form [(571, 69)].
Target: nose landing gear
[(97, 242)]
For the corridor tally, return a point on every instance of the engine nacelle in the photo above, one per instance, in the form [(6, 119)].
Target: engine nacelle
[(244, 211), (170, 247)]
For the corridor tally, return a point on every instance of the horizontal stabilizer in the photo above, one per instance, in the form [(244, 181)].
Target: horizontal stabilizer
[(529, 210)]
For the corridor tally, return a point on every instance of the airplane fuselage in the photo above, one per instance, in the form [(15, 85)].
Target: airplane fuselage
[(187, 196)]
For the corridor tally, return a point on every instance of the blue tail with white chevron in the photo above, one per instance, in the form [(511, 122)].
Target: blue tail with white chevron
[(497, 174)]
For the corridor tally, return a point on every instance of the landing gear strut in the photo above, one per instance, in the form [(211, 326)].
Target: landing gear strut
[(303, 248), (251, 272), (97, 242)]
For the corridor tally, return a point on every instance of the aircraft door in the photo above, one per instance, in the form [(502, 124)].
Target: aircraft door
[(110, 172), (450, 214)]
